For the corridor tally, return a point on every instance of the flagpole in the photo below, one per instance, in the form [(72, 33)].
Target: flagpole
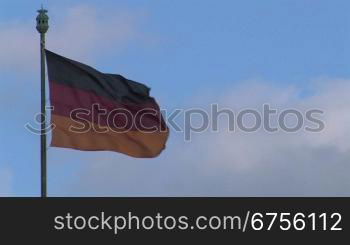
[(42, 26)]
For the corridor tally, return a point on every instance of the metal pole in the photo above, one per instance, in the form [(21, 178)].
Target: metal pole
[(43, 119), (42, 27)]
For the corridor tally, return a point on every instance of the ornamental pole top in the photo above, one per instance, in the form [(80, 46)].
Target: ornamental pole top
[(42, 21)]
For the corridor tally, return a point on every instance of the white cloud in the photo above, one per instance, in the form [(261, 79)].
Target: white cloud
[(230, 164), (88, 30), (5, 182), (81, 31)]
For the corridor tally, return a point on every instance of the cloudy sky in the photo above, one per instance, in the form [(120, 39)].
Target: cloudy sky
[(238, 54)]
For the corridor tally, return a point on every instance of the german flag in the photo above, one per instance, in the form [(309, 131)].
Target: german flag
[(94, 111)]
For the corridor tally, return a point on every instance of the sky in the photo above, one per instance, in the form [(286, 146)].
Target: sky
[(238, 54)]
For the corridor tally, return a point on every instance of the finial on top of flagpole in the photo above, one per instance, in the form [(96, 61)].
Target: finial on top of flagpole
[(42, 20)]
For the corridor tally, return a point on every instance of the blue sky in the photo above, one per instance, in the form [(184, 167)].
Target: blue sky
[(190, 53)]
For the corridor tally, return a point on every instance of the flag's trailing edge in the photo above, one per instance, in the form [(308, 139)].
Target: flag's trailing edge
[(95, 111)]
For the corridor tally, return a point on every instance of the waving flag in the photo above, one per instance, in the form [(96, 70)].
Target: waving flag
[(95, 111)]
